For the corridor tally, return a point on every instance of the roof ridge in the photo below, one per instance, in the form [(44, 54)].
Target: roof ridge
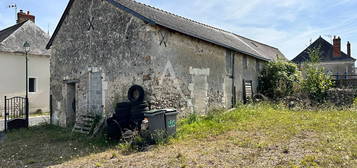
[(211, 34), (256, 41), (15, 27), (188, 19), (17, 24), (318, 41), (206, 25)]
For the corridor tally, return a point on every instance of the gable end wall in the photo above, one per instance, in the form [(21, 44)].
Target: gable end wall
[(176, 71)]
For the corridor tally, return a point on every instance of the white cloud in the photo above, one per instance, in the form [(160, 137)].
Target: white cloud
[(289, 25), (286, 24)]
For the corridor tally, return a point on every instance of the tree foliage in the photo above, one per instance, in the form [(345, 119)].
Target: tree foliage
[(314, 54), (279, 79), (316, 83)]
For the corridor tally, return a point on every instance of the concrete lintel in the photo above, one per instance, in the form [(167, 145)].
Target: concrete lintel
[(69, 81), (197, 71), (94, 69)]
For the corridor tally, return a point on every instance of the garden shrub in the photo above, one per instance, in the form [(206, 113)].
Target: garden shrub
[(279, 79), (316, 82)]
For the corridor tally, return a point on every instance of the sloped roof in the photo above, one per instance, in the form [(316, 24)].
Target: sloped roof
[(191, 28), (8, 31), (326, 50), (13, 38)]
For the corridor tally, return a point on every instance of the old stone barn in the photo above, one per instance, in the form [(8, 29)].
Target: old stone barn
[(101, 48)]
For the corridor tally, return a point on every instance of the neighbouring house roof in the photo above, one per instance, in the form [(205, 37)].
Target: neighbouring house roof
[(189, 27), (326, 50), (13, 38), (8, 31)]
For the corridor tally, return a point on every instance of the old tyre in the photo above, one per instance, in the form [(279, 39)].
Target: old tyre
[(136, 94), (123, 105), (121, 116), (140, 106), (122, 110), (137, 117), (114, 129), (141, 111)]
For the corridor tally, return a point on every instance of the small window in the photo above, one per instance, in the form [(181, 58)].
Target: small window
[(32, 85), (245, 62)]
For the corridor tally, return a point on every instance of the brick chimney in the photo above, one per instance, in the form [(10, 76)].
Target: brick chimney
[(349, 49), (336, 52), (22, 17)]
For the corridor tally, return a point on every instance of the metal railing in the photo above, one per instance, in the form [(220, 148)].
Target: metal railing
[(345, 81), (16, 109), (338, 77)]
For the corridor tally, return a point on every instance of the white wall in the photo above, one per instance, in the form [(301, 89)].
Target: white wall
[(12, 79)]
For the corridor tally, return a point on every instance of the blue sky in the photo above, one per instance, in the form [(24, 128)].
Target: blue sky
[(289, 25)]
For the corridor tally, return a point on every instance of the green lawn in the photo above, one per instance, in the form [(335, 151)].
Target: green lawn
[(261, 135)]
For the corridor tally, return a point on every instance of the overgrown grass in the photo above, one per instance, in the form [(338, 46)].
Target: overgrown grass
[(335, 130), (329, 135), (270, 118), (46, 145)]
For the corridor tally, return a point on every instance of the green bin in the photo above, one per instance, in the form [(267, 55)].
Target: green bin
[(156, 120), (170, 121)]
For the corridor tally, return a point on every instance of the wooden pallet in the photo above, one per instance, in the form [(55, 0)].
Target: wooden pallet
[(84, 124)]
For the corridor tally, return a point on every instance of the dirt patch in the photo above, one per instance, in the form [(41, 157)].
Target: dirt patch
[(228, 150)]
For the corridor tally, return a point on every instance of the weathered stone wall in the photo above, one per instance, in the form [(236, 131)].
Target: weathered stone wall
[(248, 72), (342, 97), (176, 71), (101, 37), (195, 69)]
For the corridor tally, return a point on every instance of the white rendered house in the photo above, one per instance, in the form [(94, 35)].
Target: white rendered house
[(13, 63)]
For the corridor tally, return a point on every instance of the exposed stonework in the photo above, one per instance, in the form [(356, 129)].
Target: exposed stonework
[(342, 97), (176, 71)]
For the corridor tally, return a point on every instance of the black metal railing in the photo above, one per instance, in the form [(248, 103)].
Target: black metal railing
[(345, 81), (16, 108), (339, 77)]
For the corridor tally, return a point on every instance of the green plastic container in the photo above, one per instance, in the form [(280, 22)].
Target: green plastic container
[(170, 121), (156, 120)]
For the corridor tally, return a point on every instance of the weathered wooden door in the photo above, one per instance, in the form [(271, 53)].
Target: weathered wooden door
[(230, 88), (71, 104)]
